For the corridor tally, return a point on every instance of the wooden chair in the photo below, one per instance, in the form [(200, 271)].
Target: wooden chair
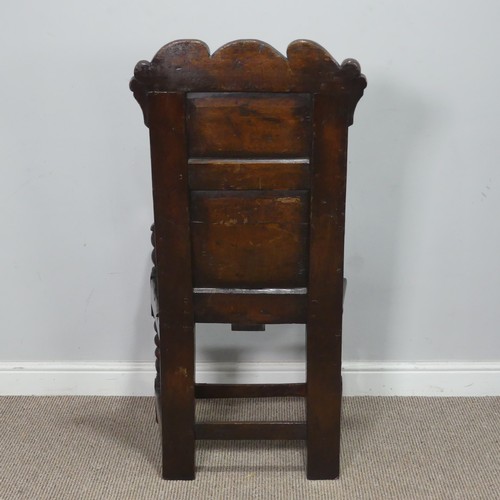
[(248, 153)]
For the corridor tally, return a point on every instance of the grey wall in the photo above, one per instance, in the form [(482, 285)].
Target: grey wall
[(423, 234)]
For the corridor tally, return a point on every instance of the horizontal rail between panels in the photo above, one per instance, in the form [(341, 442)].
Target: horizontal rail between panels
[(257, 161), (253, 291)]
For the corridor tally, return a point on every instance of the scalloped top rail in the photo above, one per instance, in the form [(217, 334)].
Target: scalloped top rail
[(246, 66)]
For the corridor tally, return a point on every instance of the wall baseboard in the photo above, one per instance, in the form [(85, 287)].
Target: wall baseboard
[(360, 378)]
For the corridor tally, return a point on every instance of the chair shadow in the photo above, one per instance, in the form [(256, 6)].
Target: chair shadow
[(267, 456), (129, 422), (385, 194), (132, 420), (355, 433)]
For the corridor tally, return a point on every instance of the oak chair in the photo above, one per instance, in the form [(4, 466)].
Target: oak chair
[(248, 154)]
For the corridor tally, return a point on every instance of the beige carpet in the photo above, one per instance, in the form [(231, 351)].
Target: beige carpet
[(108, 448)]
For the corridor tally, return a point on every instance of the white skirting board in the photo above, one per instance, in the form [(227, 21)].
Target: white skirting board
[(360, 378)]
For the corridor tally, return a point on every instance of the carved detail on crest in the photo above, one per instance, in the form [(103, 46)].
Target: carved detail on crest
[(154, 313), (247, 66)]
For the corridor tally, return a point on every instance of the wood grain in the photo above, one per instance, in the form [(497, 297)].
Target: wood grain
[(249, 239), (241, 124), (174, 282), (249, 174), (326, 266), (250, 308)]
